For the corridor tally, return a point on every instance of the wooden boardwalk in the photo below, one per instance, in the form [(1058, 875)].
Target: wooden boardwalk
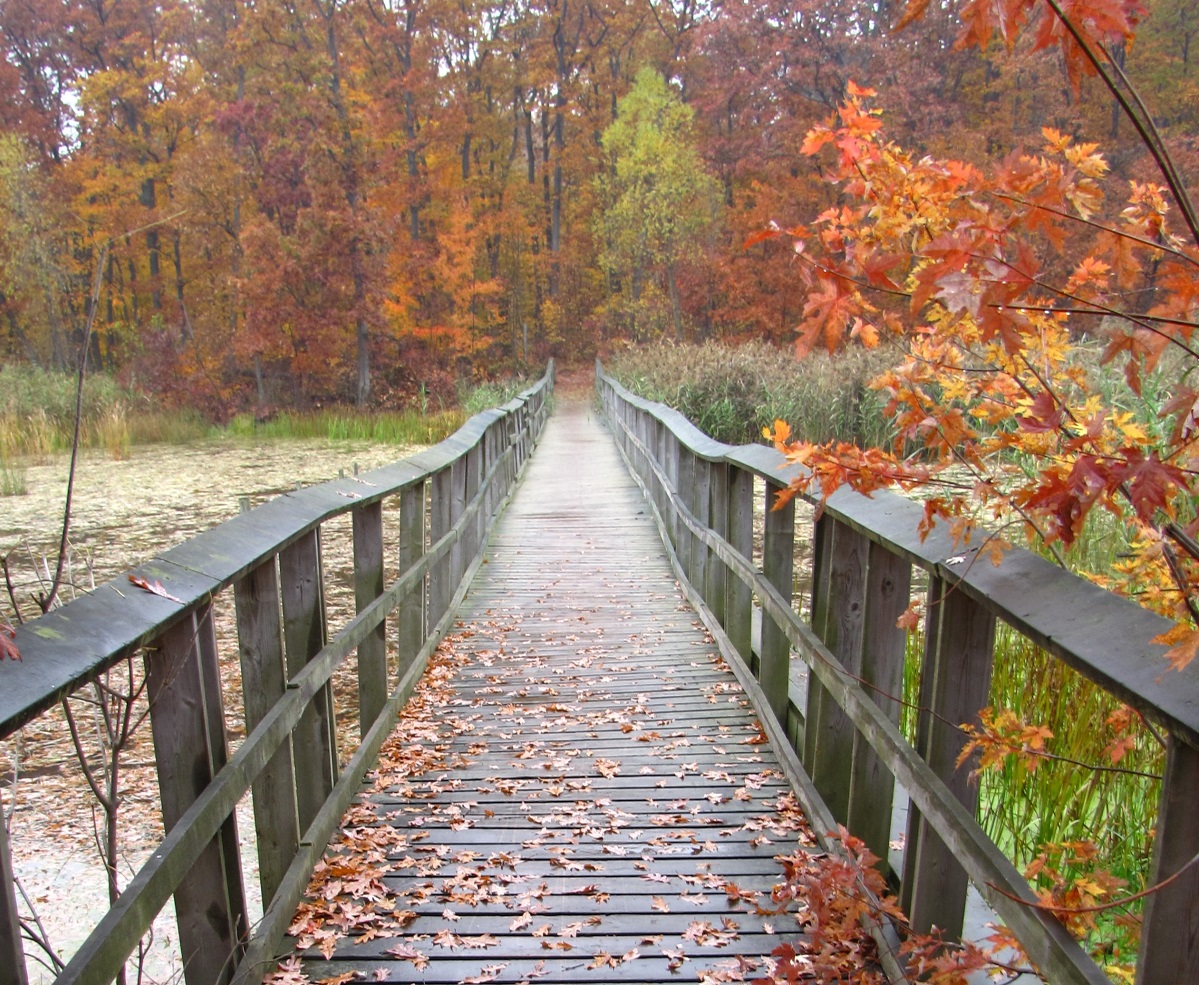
[(580, 791)]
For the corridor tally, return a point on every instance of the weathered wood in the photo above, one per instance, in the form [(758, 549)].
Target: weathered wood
[(260, 641), (314, 745), (872, 787), (701, 508), (12, 956), (1170, 933), (715, 588), (183, 685), (822, 557), (961, 682), (739, 595), (410, 617), (458, 499), (828, 732), (367, 526), (778, 562), (932, 634), (440, 510)]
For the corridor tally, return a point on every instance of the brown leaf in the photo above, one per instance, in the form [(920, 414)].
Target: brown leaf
[(489, 973), (154, 588)]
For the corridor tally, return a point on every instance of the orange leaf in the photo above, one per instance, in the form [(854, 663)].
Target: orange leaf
[(154, 588)]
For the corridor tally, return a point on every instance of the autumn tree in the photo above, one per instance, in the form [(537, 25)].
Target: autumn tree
[(660, 203)]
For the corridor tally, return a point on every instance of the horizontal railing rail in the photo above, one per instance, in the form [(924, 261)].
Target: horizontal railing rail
[(448, 497), (847, 734)]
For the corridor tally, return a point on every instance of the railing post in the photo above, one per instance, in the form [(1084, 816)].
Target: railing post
[(739, 596), (684, 487), (822, 554), (716, 587), (778, 562), (670, 467), (828, 732), (475, 471), (12, 956), (368, 586), (314, 741), (260, 641), (872, 787), (440, 522), (957, 669), (1170, 932), (410, 614), (701, 508), (183, 684), (458, 497)]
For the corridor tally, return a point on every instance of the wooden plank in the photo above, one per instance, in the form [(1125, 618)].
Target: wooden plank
[(183, 685), (615, 652), (1170, 935), (263, 675), (367, 526), (872, 787), (828, 732), (778, 561), (314, 744), (12, 955), (961, 682), (741, 539), (410, 616)]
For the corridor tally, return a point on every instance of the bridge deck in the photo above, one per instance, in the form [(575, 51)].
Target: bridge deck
[(579, 791)]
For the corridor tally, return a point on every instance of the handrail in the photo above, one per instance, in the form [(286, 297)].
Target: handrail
[(449, 495), (865, 549)]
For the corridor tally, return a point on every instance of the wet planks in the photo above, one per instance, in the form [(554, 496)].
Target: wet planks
[(588, 798)]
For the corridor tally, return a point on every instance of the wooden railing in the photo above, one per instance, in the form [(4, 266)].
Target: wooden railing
[(848, 736), (448, 497)]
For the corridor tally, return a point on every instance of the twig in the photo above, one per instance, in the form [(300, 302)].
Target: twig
[(47, 601), (1099, 907)]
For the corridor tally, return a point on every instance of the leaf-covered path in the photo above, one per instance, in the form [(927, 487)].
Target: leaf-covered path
[(579, 790)]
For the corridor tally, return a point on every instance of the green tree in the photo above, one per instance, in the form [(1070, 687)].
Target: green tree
[(660, 205)]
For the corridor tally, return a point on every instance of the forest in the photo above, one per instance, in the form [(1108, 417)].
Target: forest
[(289, 202)]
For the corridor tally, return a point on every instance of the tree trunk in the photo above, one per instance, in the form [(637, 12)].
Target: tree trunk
[(676, 308)]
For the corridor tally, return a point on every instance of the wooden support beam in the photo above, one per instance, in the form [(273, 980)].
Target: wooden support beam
[(12, 956), (828, 732), (188, 725), (260, 641), (1170, 932), (872, 787), (778, 563), (314, 742), (739, 594), (368, 586), (716, 587), (960, 682), (410, 614), (700, 504), (822, 556), (440, 511)]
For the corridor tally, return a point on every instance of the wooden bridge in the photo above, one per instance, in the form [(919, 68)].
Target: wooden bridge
[(595, 774)]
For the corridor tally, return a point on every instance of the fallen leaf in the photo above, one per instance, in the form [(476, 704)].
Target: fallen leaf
[(154, 588)]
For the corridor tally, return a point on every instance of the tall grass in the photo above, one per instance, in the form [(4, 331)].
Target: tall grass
[(409, 427), (731, 393)]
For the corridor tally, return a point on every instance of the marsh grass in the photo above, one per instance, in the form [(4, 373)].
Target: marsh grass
[(409, 427), (731, 393)]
